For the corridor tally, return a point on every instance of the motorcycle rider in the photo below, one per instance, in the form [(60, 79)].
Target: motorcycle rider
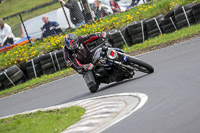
[(78, 56)]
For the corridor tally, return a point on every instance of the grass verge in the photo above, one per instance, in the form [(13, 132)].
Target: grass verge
[(10, 7), (42, 122)]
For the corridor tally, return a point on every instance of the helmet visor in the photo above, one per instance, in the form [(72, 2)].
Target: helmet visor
[(73, 45)]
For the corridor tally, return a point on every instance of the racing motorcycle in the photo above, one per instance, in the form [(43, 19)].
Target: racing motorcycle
[(113, 65)]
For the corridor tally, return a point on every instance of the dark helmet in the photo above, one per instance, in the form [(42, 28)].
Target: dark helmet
[(71, 42)]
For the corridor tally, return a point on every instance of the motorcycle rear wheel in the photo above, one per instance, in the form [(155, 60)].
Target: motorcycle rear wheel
[(140, 65)]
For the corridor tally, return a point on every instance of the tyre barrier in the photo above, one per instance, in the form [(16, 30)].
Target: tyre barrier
[(138, 32), (59, 60), (168, 25), (153, 26), (115, 39), (44, 64), (1, 87), (125, 36), (32, 68), (11, 76), (184, 16), (48, 63), (196, 12), (92, 46)]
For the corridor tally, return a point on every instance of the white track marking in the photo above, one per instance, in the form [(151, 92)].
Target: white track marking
[(101, 112)]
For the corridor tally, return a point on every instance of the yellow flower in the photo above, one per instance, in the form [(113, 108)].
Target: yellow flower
[(140, 9)]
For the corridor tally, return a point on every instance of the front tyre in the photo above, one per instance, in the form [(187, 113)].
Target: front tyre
[(140, 65)]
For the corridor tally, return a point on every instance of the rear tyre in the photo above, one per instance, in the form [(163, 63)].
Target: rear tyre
[(140, 65)]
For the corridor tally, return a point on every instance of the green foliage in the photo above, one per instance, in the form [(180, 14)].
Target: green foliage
[(51, 121), (10, 7)]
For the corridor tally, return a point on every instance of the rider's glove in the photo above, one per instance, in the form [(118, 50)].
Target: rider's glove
[(88, 67)]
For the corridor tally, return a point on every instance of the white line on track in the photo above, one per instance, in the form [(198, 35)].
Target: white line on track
[(101, 112)]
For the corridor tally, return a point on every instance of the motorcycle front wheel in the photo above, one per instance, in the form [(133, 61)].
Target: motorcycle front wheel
[(139, 65)]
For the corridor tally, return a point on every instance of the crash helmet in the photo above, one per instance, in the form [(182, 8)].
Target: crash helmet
[(71, 42)]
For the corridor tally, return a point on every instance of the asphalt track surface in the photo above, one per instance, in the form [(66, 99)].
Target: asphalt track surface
[(173, 92)]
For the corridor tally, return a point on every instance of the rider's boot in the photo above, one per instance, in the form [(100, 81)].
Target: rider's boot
[(91, 82)]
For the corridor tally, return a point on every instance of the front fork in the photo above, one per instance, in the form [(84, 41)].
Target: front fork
[(121, 62)]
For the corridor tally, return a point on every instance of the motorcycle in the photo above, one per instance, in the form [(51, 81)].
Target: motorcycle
[(113, 65)]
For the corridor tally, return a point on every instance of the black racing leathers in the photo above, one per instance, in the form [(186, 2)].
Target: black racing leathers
[(78, 58)]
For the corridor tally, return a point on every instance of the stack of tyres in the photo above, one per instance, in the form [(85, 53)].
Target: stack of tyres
[(1, 87), (48, 64), (126, 36), (115, 39), (138, 32), (171, 12), (32, 68), (11, 77), (184, 16), (153, 26), (2, 77), (92, 46), (168, 24), (60, 61), (196, 12)]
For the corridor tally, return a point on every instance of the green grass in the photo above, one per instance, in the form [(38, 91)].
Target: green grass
[(42, 122), (9, 7)]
